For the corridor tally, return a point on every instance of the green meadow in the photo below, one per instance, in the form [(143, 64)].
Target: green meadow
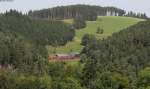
[(109, 24)]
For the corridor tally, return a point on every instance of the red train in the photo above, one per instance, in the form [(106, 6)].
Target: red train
[(63, 57)]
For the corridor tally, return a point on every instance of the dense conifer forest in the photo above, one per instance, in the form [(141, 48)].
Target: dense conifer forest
[(120, 61), (23, 40), (40, 31), (88, 12)]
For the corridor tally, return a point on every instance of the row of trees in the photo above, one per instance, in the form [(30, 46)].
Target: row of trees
[(118, 62), (137, 15), (86, 11), (64, 12)]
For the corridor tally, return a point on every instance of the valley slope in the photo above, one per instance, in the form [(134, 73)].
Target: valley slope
[(110, 25)]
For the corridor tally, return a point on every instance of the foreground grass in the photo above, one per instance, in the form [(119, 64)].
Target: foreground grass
[(72, 64), (110, 25)]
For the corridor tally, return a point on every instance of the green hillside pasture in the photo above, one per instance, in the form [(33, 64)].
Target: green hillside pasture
[(109, 24)]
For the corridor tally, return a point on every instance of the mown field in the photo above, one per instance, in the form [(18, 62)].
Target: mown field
[(110, 25)]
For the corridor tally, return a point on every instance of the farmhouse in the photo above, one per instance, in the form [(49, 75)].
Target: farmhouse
[(63, 57)]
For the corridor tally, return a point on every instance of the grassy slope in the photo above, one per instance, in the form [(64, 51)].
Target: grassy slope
[(109, 24)]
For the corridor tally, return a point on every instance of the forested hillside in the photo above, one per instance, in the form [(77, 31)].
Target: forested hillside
[(64, 12), (23, 40), (87, 12), (119, 62), (40, 31), (108, 60)]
